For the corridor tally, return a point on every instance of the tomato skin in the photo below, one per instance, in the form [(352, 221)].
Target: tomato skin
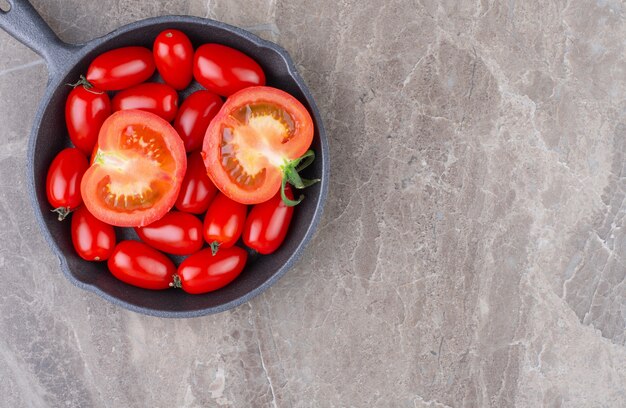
[(176, 233), (267, 224), (225, 70), (93, 239), (173, 56), (64, 179), (250, 142), (139, 265), (194, 117), (204, 272), (121, 68), (224, 221), (137, 170), (197, 190), (160, 99), (85, 111)]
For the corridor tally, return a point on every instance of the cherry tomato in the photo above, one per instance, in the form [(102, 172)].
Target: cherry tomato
[(93, 239), (225, 70), (194, 117), (254, 143), (204, 272), (139, 265), (85, 111), (197, 189), (159, 99), (224, 222), (176, 233), (121, 68), (137, 171), (173, 55), (63, 181), (267, 224)]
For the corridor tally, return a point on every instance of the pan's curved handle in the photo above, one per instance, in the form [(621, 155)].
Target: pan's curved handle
[(24, 23)]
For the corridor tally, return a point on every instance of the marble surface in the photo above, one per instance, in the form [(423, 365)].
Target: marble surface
[(472, 252)]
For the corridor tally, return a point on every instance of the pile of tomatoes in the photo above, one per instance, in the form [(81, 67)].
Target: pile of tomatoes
[(191, 180)]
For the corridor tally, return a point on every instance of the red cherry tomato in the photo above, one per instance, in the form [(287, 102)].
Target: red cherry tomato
[(224, 222), (225, 70), (137, 170), (93, 239), (176, 233), (159, 99), (197, 190), (139, 265), (173, 56), (63, 181), (204, 272), (121, 68), (85, 111), (267, 224), (194, 117)]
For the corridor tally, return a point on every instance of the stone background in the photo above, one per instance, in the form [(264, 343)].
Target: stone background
[(472, 251)]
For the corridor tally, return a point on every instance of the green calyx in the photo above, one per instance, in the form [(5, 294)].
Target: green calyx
[(86, 84), (214, 247), (291, 170), (176, 282), (62, 212)]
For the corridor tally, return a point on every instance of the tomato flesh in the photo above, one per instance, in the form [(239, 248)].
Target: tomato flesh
[(176, 233), (257, 131), (137, 171), (93, 239), (204, 272), (139, 265)]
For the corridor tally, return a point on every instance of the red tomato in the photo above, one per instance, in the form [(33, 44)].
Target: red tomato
[(159, 99), (254, 142), (224, 222), (267, 224), (204, 272), (136, 172), (176, 233), (63, 181), (85, 111), (121, 68), (194, 117), (225, 70), (93, 239), (197, 189), (173, 55), (139, 265)]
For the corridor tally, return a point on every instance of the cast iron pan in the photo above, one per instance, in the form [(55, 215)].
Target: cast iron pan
[(49, 136)]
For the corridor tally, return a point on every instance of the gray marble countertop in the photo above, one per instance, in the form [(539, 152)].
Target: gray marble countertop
[(472, 251)]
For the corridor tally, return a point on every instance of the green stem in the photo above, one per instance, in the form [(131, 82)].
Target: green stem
[(215, 245), (62, 212), (290, 175), (176, 283)]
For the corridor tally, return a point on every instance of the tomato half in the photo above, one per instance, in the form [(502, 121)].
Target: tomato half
[(85, 111), (251, 143), (197, 190), (121, 68), (225, 70), (139, 265), (224, 222), (267, 224), (93, 239), (173, 56), (194, 117), (204, 272), (156, 98), (176, 233), (64, 179), (136, 172)]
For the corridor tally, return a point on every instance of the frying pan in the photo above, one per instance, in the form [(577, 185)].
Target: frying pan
[(65, 63)]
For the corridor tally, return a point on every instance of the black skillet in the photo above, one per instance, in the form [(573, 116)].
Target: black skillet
[(49, 136)]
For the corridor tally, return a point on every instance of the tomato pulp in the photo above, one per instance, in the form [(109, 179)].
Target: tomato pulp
[(137, 170), (255, 144)]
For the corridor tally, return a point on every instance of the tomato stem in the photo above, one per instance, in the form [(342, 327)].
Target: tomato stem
[(176, 283), (214, 247), (290, 175), (62, 212), (86, 84)]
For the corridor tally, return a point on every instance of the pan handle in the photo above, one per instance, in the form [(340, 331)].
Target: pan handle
[(24, 23)]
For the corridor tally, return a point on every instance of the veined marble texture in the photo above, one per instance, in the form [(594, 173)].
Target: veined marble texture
[(473, 248)]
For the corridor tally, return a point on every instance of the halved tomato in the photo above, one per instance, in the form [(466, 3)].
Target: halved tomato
[(137, 170), (256, 142)]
